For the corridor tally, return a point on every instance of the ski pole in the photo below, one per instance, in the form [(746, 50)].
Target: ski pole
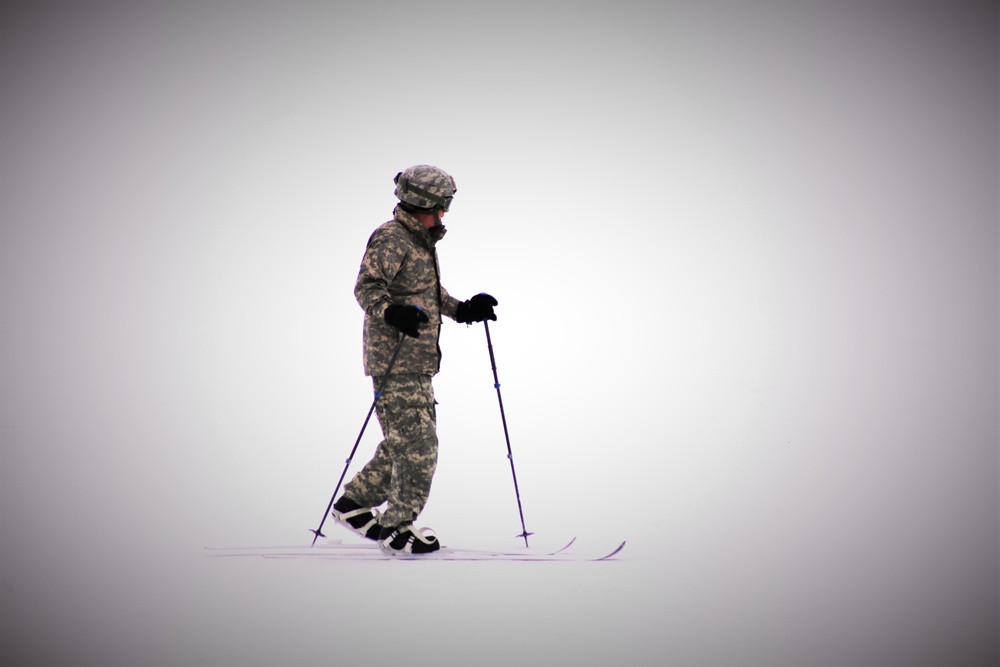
[(506, 435), (378, 394)]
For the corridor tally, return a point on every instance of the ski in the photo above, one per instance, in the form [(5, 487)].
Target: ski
[(367, 545), (370, 551)]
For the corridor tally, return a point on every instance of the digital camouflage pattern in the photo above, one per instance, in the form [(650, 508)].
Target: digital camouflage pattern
[(400, 266), (425, 186), (403, 466)]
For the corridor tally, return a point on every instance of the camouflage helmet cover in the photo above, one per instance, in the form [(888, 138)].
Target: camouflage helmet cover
[(424, 186)]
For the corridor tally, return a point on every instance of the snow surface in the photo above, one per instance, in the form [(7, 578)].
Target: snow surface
[(746, 259)]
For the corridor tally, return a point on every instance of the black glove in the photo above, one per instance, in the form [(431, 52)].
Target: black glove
[(405, 318), (476, 309)]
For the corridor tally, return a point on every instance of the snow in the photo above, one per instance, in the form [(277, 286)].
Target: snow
[(747, 271)]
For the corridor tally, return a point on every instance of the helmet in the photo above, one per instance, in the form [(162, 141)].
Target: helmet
[(424, 186)]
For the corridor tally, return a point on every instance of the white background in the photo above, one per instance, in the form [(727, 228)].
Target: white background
[(746, 258)]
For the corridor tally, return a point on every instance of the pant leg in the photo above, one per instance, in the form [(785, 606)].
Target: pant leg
[(409, 423), (370, 487)]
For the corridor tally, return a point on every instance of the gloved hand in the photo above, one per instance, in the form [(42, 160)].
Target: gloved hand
[(405, 318), (476, 309)]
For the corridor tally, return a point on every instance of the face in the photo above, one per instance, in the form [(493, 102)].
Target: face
[(429, 221)]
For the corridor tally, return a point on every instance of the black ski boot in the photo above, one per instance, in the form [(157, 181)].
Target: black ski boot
[(357, 519), (405, 539)]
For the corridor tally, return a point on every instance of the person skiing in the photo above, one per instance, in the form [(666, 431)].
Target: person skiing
[(399, 288)]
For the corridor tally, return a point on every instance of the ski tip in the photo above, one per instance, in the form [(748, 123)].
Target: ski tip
[(563, 548), (615, 552)]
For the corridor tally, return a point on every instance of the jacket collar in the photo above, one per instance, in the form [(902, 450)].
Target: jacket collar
[(428, 237)]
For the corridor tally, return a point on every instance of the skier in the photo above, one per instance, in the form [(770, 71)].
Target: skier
[(400, 290)]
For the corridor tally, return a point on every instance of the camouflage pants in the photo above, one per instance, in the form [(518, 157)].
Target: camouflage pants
[(402, 468)]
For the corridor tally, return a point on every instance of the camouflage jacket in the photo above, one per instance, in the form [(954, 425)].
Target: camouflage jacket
[(401, 266)]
